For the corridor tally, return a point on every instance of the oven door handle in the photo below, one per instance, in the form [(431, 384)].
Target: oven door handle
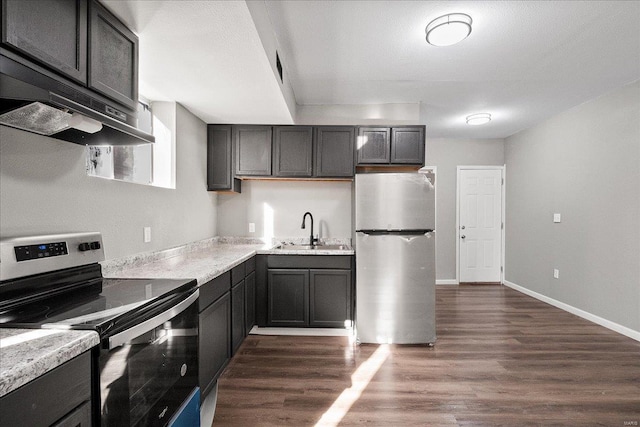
[(148, 325)]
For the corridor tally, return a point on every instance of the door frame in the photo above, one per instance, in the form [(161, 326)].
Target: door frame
[(503, 170)]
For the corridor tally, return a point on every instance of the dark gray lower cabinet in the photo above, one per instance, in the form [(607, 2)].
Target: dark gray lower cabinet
[(237, 316), (303, 291), (214, 344), (329, 298), (250, 301), (61, 397), (288, 296), (223, 320)]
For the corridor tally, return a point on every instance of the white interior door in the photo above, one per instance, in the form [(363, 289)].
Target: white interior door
[(480, 225)]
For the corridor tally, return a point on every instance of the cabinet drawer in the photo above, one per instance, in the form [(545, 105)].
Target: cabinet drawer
[(48, 398), (237, 274), (214, 289), (309, 261), (250, 265)]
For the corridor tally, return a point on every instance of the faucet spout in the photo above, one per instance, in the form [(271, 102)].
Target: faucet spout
[(304, 217)]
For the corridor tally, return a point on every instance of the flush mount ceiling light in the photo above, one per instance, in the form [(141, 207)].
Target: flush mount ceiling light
[(448, 29), (478, 119)]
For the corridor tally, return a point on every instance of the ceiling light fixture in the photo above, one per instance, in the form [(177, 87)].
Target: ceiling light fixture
[(448, 29), (478, 119)]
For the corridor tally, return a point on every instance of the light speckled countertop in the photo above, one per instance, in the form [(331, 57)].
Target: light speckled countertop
[(203, 260), (25, 354)]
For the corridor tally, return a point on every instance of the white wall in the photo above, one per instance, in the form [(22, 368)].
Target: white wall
[(447, 155), (585, 165), (277, 207), (362, 114), (44, 189)]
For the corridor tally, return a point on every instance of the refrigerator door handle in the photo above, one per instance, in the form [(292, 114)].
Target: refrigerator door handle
[(397, 232)]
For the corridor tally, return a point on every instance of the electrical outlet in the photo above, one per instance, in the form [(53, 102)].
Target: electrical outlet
[(557, 217), (252, 227), (147, 234), (556, 273)]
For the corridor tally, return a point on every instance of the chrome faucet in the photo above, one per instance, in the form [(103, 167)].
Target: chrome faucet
[(311, 239)]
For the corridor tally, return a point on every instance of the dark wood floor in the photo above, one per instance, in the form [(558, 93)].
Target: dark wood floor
[(502, 358)]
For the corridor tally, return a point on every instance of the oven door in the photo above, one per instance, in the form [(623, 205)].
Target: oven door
[(147, 371)]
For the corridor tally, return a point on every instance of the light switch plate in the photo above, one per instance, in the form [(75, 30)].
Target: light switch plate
[(556, 273), (557, 217), (252, 227)]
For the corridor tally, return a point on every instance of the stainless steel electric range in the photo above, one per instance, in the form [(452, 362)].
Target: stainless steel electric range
[(146, 367)]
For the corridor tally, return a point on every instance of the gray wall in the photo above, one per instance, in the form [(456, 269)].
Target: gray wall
[(585, 165), (44, 189), (447, 155), (329, 202)]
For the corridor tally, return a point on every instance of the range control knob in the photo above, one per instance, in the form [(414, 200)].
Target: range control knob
[(95, 245), (83, 247)]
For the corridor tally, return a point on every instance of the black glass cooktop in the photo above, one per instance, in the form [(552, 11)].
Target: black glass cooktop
[(121, 302)]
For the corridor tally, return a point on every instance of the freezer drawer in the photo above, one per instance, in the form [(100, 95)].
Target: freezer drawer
[(395, 201), (395, 288)]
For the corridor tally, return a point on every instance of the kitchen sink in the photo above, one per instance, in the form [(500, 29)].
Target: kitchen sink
[(314, 247)]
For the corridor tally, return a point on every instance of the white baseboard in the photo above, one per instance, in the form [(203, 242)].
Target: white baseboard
[(315, 332), (447, 282), (578, 312)]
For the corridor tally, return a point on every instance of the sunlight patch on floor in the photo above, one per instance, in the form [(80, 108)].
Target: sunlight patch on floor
[(359, 381)]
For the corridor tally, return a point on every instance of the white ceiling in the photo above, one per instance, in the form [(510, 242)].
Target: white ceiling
[(523, 62)]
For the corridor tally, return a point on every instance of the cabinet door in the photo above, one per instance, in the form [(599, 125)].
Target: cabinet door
[(330, 298), (220, 160), (113, 57), (407, 145), (292, 150), (252, 150), (250, 302), (288, 299), (53, 32), (48, 398), (214, 342), (334, 151), (237, 316), (373, 145)]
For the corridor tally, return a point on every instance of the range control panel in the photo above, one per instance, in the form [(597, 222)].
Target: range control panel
[(29, 255), (43, 250)]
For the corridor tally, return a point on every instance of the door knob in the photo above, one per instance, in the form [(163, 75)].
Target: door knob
[(463, 236)]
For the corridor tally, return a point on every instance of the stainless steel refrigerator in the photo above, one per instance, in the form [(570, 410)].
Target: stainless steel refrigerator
[(395, 257)]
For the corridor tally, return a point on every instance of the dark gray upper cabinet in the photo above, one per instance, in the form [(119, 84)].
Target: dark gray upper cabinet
[(401, 145), (407, 145), (113, 57), (374, 145), (53, 33), (220, 160), (334, 151), (293, 151), (252, 145)]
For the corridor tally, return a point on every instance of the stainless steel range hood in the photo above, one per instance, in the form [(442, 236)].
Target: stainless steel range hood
[(37, 101)]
